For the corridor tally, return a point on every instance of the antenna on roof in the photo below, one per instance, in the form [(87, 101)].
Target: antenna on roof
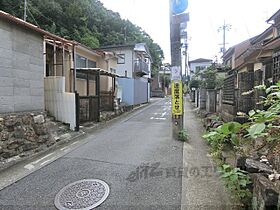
[(25, 7)]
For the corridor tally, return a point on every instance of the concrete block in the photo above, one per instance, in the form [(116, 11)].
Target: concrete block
[(23, 74), (36, 68), (6, 91), (6, 72), (37, 76), (7, 44), (6, 63), (4, 26), (20, 91), (21, 61), (35, 48), (6, 82), (22, 103), (7, 100), (37, 84), (37, 102), (6, 108), (6, 53), (22, 83), (20, 45), (5, 33), (37, 61), (37, 92)]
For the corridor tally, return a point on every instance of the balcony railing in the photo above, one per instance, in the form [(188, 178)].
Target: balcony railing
[(141, 68)]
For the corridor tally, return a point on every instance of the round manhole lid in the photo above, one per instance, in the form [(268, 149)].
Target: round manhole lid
[(82, 195)]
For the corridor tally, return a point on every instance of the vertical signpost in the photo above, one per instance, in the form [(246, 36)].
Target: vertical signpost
[(177, 17)]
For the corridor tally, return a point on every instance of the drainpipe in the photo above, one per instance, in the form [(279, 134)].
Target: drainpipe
[(45, 57), (74, 68), (54, 58)]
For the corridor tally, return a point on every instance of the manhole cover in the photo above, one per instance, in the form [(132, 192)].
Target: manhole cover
[(82, 195)]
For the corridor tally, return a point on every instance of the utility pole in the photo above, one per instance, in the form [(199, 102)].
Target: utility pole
[(125, 35), (25, 7), (224, 28), (178, 18)]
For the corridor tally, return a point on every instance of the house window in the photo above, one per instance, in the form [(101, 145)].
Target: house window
[(199, 68), (121, 58), (81, 62), (91, 64)]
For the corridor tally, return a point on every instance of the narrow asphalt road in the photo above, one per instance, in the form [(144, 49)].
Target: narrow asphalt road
[(135, 156)]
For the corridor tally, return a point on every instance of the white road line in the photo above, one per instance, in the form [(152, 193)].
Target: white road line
[(64, 148), (74, 143), (49, 160), (29, 166), (160, 118), (151, 118), (163, 114), (37, 161)]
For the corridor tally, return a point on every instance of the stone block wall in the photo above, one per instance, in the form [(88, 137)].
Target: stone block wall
[(23, 132), (21, 69)]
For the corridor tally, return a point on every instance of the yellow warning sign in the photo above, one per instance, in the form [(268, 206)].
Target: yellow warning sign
[(177, 98)]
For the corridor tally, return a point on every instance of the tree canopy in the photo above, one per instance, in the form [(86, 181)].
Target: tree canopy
[(86, 21)]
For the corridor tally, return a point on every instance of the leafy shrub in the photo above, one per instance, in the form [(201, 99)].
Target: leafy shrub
[(183, 135), (236, 181)]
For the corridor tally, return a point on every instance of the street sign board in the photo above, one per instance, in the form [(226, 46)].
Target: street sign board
[(181, 18), (179, 6), (175, 73), (177, 98)]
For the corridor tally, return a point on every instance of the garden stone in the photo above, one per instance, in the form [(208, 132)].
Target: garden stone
[(265, 194), (19, 132), (39, 119), (40, 129), (240, 161), (254, 166), (4, 136)]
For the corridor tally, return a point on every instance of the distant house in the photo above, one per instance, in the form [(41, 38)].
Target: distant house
[(199, 64), (134, 69)]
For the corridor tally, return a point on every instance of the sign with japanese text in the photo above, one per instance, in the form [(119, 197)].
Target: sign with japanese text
[(177, 98)]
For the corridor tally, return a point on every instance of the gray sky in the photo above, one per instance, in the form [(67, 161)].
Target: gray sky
[(246, 17)]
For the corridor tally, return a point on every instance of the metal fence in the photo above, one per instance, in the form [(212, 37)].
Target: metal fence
[(106, 101), (228, 90), (88, 108)]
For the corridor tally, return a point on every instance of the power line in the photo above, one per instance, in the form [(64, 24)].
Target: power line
[(32, 17)]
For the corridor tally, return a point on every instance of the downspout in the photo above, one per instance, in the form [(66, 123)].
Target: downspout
[(63, 58), (74, 68), (44, 56), (54, 57)]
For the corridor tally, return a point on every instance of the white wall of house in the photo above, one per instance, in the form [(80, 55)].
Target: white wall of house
[(193, 66), (21, 69), (125, 67)]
